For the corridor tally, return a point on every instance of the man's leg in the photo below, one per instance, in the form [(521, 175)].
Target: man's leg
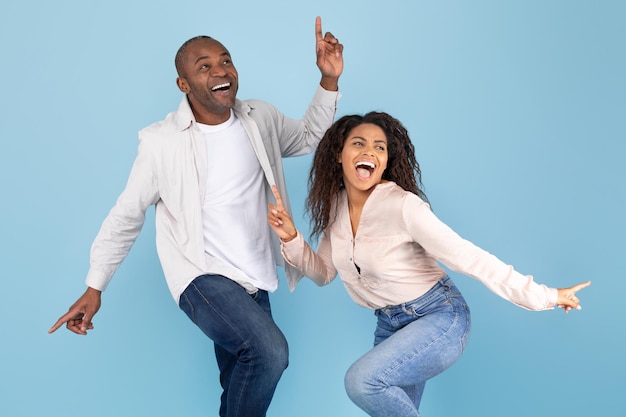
[(251, 350)]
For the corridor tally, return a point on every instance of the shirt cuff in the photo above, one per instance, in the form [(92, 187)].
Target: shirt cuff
[(291, 249), (323, 96), (97, 279)]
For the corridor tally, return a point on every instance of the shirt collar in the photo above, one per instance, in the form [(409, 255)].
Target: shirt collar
[(185, 117)]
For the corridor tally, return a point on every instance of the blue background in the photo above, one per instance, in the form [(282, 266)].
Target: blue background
[(517, 111)]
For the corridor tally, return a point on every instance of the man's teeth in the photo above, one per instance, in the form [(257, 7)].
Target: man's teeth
[(217, 87)]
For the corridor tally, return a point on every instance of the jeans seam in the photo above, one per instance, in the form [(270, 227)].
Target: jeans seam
[(185, 299), (215, 311)]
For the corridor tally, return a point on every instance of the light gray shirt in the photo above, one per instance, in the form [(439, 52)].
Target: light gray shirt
[(169, 172)]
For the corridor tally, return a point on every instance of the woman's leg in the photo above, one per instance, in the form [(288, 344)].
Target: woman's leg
[(414, 342)]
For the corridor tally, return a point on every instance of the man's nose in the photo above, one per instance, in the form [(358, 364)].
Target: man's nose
[(218, 70)]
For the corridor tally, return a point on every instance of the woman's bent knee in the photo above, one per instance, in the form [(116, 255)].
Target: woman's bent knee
[(357, 383)]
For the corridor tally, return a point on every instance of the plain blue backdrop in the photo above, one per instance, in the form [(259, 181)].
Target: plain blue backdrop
[(518, 114)]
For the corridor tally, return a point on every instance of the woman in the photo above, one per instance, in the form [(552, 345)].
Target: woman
[(378, 232)]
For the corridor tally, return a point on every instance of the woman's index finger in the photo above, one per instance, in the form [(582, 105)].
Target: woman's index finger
[(279, 200)]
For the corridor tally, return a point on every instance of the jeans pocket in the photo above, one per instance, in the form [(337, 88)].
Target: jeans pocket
[(426, 305)]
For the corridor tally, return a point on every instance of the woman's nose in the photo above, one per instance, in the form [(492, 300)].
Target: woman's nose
[(368, 150)]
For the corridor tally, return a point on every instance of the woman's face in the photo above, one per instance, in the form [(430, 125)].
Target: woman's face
[(364, 157)]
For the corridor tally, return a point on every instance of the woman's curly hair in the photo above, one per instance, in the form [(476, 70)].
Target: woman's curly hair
[(325, 178)]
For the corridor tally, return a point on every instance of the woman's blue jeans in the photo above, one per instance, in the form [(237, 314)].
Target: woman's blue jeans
[(251, 350), (413, 342)]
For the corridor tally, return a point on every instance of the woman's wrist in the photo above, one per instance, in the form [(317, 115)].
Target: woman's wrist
[(289, 238)]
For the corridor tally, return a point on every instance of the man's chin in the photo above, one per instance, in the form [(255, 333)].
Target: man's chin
[(226, 103)]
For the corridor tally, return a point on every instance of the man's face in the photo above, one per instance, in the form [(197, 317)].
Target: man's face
[(210, 80)]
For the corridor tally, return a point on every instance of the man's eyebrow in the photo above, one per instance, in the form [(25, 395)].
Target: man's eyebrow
[(200, 58)]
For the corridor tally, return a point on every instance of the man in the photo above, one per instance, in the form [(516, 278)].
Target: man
[(208, 168)]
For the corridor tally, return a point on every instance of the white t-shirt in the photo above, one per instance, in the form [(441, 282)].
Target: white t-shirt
[(234, 208)]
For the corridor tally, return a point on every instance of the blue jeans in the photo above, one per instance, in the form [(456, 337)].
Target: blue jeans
[(413, 342), (251, 350)]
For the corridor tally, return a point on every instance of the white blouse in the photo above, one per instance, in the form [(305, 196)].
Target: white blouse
[(393, 257)]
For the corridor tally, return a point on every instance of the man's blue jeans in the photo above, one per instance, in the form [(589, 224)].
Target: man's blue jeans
[(413, 342), (251, 350)]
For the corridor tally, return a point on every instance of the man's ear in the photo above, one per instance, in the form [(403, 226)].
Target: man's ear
[(182, 85)]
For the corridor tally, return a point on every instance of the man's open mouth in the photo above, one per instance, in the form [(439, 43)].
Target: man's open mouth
[(221, 87)]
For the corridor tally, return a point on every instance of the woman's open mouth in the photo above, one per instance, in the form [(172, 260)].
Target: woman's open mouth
[(364, 170)]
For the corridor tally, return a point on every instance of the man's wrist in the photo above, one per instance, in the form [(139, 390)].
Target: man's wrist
[(330, 83)]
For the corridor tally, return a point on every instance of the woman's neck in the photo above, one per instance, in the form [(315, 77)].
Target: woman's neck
[(356, 201), (357, 198)]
